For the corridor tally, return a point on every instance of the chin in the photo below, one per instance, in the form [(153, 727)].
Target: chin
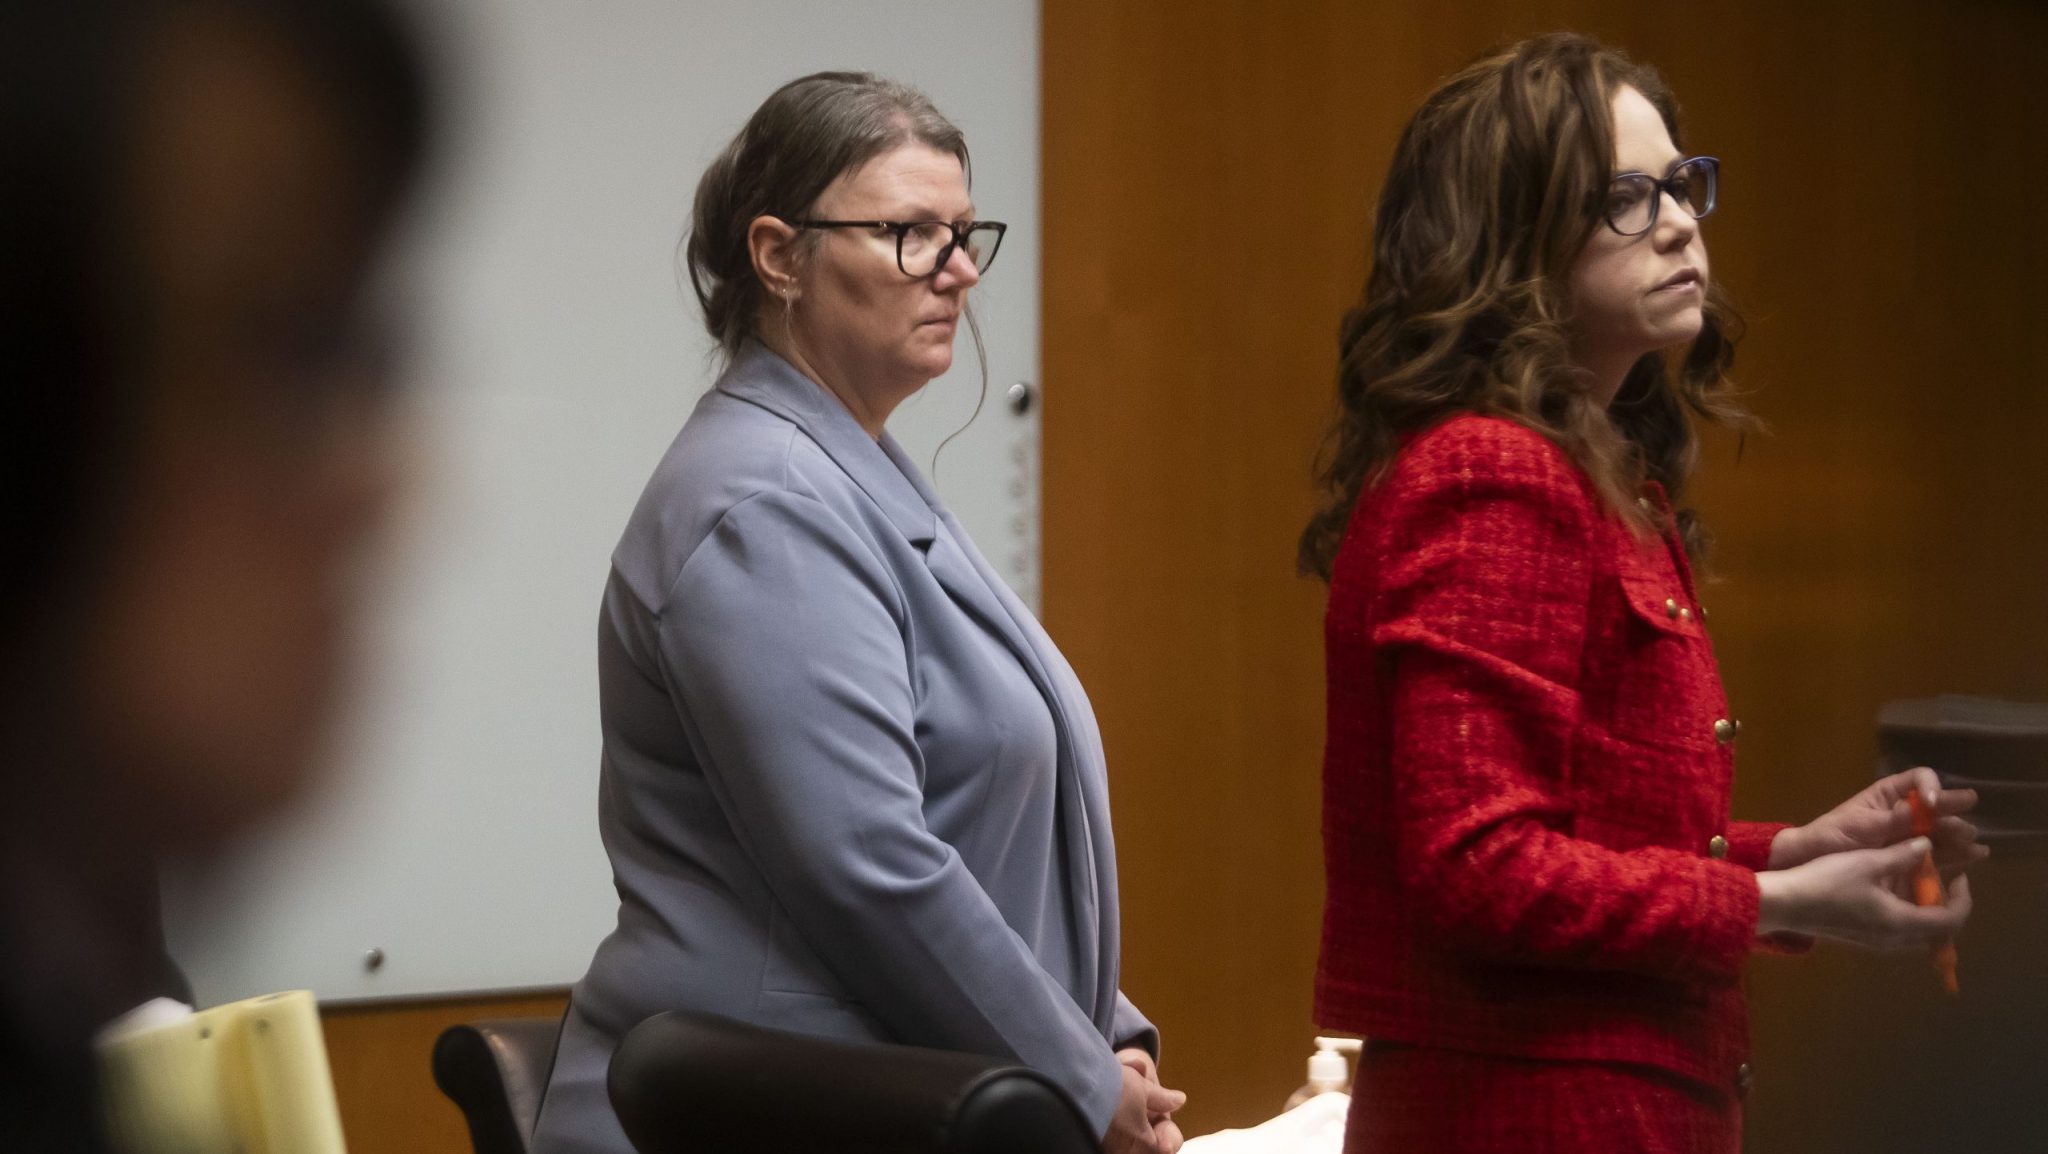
[(933, 365), (1682, 329)]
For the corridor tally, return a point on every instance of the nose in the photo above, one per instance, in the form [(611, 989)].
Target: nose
[(1676, 225), (957, 272)]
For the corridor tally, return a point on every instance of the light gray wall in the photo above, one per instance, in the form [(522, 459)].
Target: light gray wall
[(558, 351)]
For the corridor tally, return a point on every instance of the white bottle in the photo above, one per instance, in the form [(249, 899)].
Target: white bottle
[(1328, 1073)]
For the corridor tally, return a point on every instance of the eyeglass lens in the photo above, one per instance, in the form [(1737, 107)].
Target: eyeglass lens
[(924, 245), (1632, 200)]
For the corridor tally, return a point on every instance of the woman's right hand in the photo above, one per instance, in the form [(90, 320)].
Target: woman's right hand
[(1130, 1128), (1853, 897)]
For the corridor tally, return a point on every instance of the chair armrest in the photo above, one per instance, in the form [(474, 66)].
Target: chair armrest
[(496, 1070)]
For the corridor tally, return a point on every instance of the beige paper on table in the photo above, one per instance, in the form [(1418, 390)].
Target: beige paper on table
[(249, 1077)]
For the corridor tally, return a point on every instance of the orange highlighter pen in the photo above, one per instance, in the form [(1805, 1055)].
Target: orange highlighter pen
[(1927, 886)]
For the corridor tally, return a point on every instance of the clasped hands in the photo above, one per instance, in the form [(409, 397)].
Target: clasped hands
[(1143, 1122)]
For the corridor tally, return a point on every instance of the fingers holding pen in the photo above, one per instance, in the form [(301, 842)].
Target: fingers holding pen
[(1855, 896)]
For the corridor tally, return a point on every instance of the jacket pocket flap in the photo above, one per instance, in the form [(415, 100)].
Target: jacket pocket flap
[(1660, 603)]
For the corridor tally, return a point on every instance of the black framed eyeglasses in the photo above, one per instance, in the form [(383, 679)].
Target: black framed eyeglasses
[(924, 246), (1633, 198)]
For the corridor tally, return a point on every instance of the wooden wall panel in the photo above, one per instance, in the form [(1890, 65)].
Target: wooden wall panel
[(380, 1053), (1209, 173)]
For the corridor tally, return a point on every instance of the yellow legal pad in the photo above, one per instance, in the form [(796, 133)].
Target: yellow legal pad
[(249, 1077)]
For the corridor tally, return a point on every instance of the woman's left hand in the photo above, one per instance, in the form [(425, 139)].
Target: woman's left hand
[(1165, 1130), (1880, 816)]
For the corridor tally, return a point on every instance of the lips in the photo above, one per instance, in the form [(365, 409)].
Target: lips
[(1683, 278)]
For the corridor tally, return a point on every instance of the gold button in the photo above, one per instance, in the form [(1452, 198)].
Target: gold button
[(1671, 608), (1717, 847), (1684, 614), (1643, 503), (1744, 1075), (1703, 613), (1725, 730)]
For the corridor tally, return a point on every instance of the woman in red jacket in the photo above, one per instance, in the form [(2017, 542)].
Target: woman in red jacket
[(1537, 907)]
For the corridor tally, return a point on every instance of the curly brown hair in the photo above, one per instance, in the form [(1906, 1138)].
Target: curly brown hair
[(1494, 189)]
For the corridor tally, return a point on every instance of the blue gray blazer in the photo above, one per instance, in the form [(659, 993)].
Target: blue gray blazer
[(849, 786)]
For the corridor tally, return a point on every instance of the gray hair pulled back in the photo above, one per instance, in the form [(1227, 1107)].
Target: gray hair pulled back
[(802, 138)]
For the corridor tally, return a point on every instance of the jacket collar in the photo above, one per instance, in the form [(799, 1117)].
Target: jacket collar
[(882, 470)]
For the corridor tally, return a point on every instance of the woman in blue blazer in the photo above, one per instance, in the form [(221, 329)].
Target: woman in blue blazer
[(849, 786)]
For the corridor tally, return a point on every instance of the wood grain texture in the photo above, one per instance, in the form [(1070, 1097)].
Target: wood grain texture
[(380, 1053), (1209, 173)]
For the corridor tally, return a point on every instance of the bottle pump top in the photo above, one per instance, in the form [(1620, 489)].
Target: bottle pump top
[(1327, 1070)]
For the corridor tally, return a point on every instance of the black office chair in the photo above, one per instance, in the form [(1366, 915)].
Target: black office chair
[(496, 1071), (683, 1083)]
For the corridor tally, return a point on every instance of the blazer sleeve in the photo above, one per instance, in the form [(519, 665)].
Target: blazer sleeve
[(782, 638), (1749, 843), (1749, 846), (1132, 1028), (1482, 616)]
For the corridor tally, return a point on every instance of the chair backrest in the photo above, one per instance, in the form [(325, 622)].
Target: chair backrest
[(496, 1071), (685, 1082)]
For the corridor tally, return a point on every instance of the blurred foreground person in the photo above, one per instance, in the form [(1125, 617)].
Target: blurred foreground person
[(193, 457)]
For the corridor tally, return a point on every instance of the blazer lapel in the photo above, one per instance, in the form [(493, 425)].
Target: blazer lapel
[(975, 586), (1670, 539), (888, 476)]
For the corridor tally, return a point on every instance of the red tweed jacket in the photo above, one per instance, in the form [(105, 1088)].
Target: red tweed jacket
[(1527, 773)]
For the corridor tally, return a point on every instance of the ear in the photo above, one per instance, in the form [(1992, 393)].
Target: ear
[(772, 245)]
